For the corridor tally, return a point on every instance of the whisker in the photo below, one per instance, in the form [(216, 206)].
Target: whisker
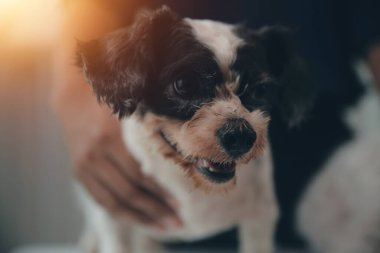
[(196, 106)]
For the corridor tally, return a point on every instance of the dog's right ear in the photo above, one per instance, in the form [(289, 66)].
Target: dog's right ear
[(295, 94), (120, 65)]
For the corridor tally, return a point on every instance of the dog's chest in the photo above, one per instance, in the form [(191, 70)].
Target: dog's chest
[(202, 213)]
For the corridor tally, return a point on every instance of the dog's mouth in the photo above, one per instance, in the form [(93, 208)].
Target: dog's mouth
[(216, 172), (212, 171)]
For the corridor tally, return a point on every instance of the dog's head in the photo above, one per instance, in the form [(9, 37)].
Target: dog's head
[(205, 89)]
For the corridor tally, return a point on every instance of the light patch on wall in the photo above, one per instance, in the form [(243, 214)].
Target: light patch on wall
[(29, 23)]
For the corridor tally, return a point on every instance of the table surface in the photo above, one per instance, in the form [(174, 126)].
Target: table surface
[(73, 249)]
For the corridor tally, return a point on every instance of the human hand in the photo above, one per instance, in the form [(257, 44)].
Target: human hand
[(107, 170), (113, 177)]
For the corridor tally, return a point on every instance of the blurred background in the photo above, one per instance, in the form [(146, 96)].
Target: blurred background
[(36, 202)]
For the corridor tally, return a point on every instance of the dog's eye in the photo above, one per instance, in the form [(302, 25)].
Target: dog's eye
[(212, 79), (184, 87)]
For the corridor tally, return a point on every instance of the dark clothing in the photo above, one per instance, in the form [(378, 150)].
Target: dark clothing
[(329, 35)]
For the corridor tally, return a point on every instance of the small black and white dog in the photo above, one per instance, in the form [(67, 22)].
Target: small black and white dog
[(197, 96)]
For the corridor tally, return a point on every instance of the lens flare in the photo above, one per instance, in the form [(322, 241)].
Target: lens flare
[(28, 22)]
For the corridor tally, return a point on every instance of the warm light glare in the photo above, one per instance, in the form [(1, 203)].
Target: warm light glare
[(7, 3), (28, 22), (9, 8)]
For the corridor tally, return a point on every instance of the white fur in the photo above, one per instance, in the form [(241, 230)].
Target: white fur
[(250, 205), (340, 212), (219, 38)]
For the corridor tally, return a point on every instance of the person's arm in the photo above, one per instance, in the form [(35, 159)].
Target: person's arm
[(100, 158), (374, 64)]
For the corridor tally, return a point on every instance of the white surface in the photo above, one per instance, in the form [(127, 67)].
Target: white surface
[(46, 249), (73, 249)]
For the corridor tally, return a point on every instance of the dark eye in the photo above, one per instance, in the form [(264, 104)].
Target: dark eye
[(212, 79), (185, 87)]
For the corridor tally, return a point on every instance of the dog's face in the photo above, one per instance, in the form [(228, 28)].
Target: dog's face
[(204, 89)]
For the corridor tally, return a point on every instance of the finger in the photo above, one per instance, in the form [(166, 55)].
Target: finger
[(135, 217), (109, 201), (100, 193), (151, 196), (110, 176), (152, 187), (157, 210), (120, 155), (130, 194), (171, 218), (128, 165)]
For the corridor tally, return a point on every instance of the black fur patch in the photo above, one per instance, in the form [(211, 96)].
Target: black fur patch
[(257, 88), (183, 59), (137, 67), (276, 75)]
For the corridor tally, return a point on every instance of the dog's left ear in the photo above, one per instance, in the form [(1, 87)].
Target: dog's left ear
[(294, 98)]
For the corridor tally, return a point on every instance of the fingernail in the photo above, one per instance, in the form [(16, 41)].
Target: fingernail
[(123, 219), (178, 223), (173, 203), (159, 227), (170, 222)]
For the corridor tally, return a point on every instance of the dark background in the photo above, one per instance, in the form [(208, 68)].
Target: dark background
[(36, 202)]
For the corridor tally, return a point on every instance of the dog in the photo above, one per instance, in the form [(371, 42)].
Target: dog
[(195, 98), (340, 211)]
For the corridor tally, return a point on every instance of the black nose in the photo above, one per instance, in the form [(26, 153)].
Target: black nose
[(236, 137)]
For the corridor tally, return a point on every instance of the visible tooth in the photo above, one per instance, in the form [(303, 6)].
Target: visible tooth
[(205, 163), (212, 169)]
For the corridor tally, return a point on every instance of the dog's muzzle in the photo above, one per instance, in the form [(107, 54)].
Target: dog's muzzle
[(216, 172), (236, 137)]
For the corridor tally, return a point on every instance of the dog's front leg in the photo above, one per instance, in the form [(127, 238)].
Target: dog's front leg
[(256, 234), (112, 236), (142, 243), (103, 234)]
